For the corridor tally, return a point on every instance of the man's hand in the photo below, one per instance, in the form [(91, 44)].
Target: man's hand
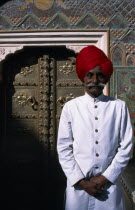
[(89, 186), (100, 181)]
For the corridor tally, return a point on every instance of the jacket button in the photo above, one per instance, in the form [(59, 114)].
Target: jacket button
[(96, 118), (96, 106), (96, 142), (96, 130), (97, 154)]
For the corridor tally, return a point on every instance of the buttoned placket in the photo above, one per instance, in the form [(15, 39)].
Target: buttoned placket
[(95, 106), (96, 133)]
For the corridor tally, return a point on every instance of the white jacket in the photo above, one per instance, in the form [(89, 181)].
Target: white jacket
[(94, 137)]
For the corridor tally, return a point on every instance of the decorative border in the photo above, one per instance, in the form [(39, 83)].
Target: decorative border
[(52, 105), (44, 101)]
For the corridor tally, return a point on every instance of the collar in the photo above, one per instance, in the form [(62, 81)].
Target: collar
[(94, 100)]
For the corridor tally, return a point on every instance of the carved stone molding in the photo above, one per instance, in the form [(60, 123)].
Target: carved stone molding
[(75, 40), (75, 48), (4, 51)]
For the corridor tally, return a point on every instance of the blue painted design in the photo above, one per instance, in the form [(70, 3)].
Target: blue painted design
[(102, 25), (58, 10), (73, 26), (43, 26), (15, 27), (118, 22), (117, 41), (29, 11), (131, 26)]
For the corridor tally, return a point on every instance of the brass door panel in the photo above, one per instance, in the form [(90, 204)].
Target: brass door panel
[(24, 159), (37, 85), (68, 86)]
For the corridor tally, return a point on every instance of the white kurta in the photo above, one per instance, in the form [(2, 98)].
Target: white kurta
[(94, 138)]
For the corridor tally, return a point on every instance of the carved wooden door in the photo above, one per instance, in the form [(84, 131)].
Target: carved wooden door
[(25, 130), (37, 83)]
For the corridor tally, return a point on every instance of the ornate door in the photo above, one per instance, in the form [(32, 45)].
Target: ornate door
[(37, 83), (25, 129)]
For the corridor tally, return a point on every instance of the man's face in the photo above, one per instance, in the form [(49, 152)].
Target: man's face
[(95, 81)]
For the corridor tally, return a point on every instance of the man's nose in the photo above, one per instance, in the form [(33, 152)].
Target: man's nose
[(95, 79)]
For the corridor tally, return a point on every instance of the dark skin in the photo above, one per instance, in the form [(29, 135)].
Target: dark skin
[(95, 76), (96, 184)]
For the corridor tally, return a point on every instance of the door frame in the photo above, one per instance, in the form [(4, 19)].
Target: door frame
[(75, 40)]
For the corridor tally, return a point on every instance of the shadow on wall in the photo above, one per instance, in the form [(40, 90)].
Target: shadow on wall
[(23, 173), (30, 178)]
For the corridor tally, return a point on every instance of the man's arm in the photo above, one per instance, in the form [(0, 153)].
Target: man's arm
[(122, 156), (65, 148), (66, 156)]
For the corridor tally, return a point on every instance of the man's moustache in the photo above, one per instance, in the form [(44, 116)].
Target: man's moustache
[(93, 85)]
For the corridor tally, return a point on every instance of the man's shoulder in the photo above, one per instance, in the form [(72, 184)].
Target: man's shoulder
[(114, 100), (75, 101)]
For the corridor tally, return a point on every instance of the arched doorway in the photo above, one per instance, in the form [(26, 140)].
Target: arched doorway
[(37, 81)]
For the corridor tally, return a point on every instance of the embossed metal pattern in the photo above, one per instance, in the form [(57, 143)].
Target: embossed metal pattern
[(37, 93), (62, 100), (44, 86), (67, 85), (21, 103), (52, 105)]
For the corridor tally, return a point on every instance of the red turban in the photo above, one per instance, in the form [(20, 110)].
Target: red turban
[(90, 57)]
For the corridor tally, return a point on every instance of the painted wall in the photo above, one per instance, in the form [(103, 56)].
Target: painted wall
[(116, 15)]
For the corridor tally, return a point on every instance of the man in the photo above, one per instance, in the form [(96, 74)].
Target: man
[(94, 138)]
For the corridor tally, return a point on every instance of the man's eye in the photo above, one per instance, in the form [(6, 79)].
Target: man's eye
[(101, 75), (89, 75)]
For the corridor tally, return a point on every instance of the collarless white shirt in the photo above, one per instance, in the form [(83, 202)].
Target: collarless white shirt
[(94, 137)]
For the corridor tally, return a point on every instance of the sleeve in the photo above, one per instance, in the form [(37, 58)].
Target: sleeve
[(123, 154), (65, 149)]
